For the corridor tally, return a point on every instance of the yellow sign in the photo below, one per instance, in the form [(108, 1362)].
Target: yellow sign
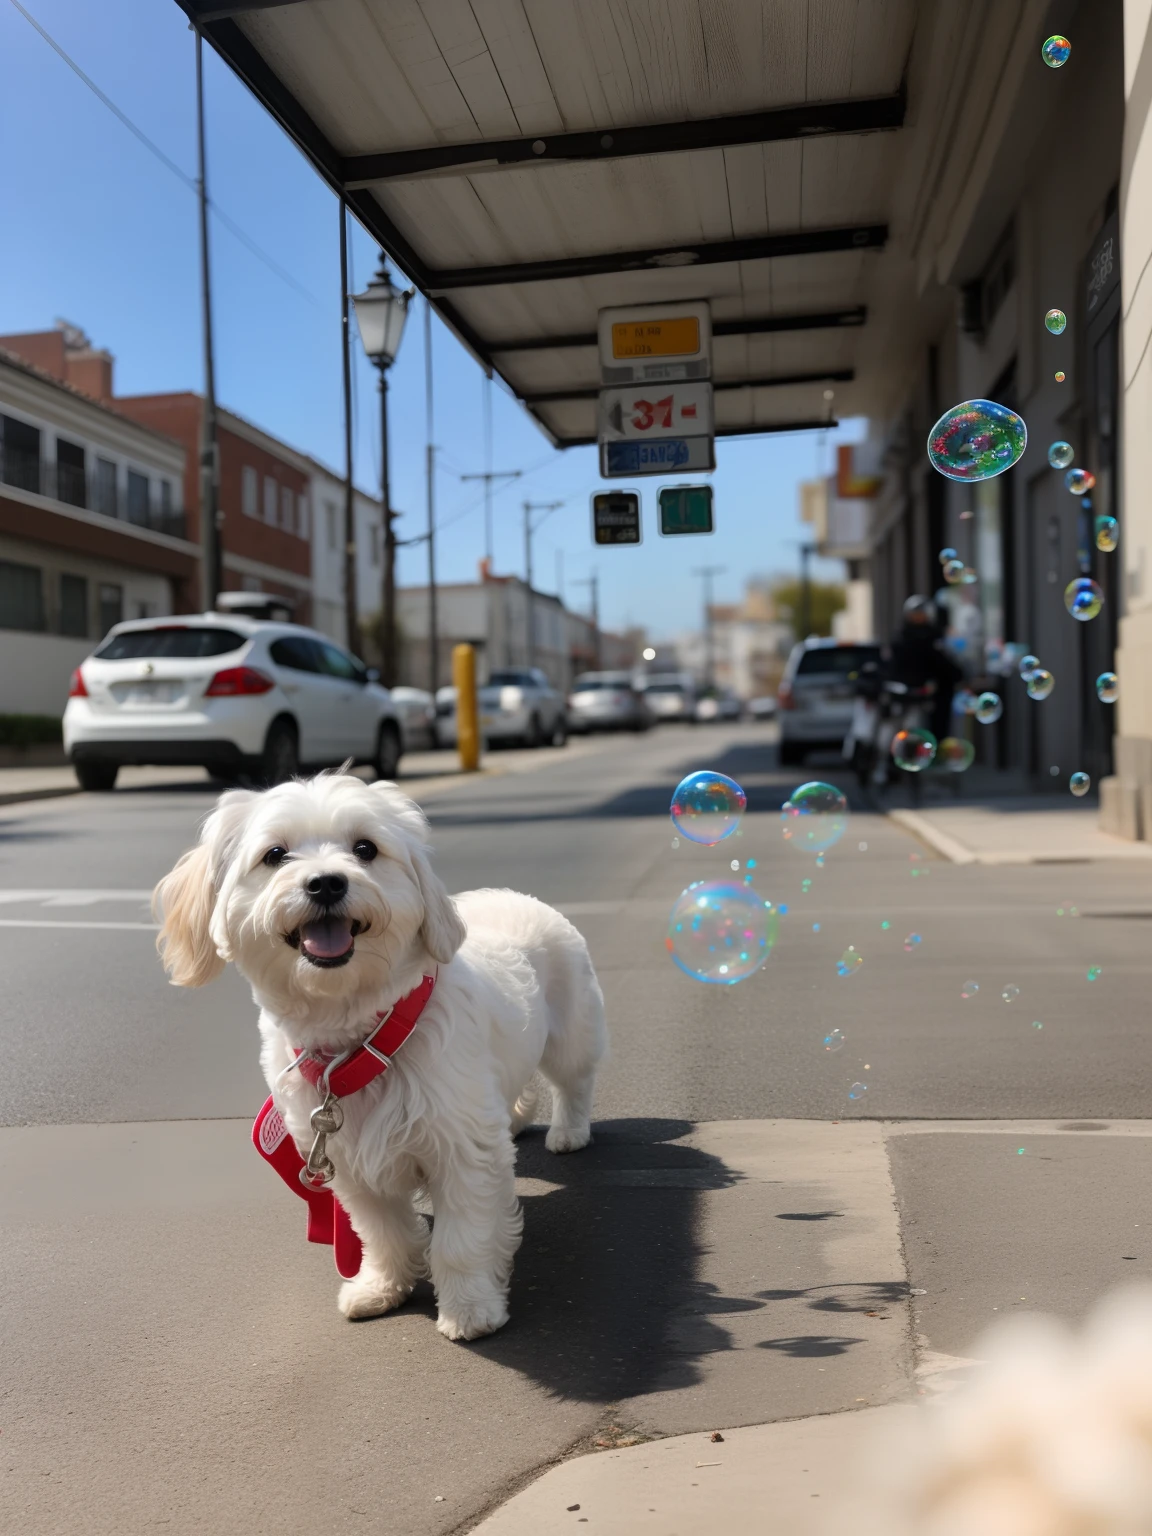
[(656, 338)]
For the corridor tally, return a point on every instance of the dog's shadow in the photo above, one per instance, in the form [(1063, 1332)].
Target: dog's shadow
[(609, 1260)]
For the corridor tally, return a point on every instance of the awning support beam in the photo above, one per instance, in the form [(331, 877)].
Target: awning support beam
[(811, 119), (828, 376), (801, 242), (833, 319), (767, 429)]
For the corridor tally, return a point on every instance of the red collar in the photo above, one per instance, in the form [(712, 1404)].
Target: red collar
[(352, 1070)]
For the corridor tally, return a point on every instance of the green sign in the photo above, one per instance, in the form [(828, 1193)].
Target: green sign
[(686, 509)]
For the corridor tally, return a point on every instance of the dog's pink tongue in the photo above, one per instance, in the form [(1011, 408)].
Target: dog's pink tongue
[(327, 939)]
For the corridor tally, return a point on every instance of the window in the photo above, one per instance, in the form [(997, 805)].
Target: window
[(374, 543), (137, 501), (287, 509), (104, 487), (20, 464), (144, 610), (337, 664), (269, 499), (21, 596), (111, 599), (166, 499), (70, 479), (303, 521), (836, 660), (330, 523), (296, 653), (249, 491), (73, 605), (181, 640)]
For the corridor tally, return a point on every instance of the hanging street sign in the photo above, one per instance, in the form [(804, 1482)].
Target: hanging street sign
[(656, 342), (686, 509), (616, 517), (641, 413), (663, 457)]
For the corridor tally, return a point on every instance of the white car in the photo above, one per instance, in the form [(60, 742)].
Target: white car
[(237, 696), (416, 711), (522, 707), (670, 695)]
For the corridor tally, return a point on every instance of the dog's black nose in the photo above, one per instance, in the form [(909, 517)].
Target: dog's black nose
[(327, 890)]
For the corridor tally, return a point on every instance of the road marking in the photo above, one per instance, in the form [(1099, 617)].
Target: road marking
[(66, 897), (32, 922)]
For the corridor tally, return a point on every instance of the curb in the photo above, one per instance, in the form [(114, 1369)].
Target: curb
[(939, 842)]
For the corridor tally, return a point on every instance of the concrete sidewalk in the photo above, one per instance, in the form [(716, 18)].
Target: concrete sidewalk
[(1017, 830)]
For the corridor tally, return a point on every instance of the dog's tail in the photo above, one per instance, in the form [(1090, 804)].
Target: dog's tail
[(524, 1110)]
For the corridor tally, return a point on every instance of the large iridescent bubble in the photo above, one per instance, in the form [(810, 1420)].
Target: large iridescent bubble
[(707, 807), (814, 817), (1055, 50), (977, 440), (721, 933), (955, 754), (913, 750)]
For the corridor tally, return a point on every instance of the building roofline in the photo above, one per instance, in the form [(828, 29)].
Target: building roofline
[(20, 365)]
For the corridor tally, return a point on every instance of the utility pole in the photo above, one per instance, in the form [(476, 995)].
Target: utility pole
[(547, 508), (488, 476), (560, 576), (210, 519), (708, 572), (805, 624), (430, 473), (593, 584)]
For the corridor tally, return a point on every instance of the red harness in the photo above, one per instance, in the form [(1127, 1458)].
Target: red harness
[(328, 1221)]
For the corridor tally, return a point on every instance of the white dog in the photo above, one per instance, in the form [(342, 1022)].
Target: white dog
[(322, 893)]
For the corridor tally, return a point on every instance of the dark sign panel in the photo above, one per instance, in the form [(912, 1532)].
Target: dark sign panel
[(686, 509), (616, 517)]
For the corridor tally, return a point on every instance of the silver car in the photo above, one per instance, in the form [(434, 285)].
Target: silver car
[(522, 706), (670, 695), (607, 701), (816, 695)]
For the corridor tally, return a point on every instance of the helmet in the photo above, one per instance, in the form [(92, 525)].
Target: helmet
[(917, 607)]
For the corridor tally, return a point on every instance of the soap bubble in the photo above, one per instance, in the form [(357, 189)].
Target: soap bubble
[(1083, 598), (1107, 534), (1080, 784), (1079, 481), (969, 989), (1036, 1024), (1061, 454), (966, 517), (1094, 972), (1010, 994), (969, 577), (833, 1041), (976, 440), (885, 925), (814, 817), (913, 750), (1055, 321), (857, 1091), (1055, 50), (947, 554), (1060, 376), (707, 807), (1028, 665), (953, 571), (955, 754), (989, 708), (964, 701), (849, 962), (1107, 687), (1040, 685), (913, 941), (720, 933)]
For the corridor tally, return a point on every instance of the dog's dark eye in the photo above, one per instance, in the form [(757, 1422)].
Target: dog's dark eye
[(275, 856), (365, 850)]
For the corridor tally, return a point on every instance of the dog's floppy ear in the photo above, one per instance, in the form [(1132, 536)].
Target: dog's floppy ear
[(443, 928), (186, 898)]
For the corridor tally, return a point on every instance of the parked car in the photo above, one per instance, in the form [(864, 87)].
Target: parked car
[(416, 710), (816, 695), (445, 717), (607, 701), (232, 694), (719, 704), (764, 707), (523, 707), (670, 695)]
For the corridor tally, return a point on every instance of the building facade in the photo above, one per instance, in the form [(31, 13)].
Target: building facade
[(328, 541), (92, 527)]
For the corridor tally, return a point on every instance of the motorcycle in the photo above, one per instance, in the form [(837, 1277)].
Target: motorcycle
[(881, 708)]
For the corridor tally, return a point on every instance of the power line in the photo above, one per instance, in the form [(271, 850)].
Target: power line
[(170, 165)]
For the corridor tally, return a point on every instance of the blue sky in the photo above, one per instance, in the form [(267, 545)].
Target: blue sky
[(102, 234)]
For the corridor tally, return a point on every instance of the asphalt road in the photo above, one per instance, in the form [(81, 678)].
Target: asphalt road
[(178, 1358)]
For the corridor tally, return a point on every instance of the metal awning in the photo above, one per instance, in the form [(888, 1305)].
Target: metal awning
[(529, 162)]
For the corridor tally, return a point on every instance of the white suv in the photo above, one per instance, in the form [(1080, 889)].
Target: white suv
[(231, 694)]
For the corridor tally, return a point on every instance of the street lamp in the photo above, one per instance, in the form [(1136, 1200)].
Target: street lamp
[(380, 313)]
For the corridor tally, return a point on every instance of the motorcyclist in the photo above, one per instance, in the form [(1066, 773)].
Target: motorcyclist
[(917, 659)]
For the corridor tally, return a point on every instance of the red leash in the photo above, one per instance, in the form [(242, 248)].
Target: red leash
[(328, 1221)]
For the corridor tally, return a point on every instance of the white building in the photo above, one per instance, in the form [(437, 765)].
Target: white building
[(328, 609)]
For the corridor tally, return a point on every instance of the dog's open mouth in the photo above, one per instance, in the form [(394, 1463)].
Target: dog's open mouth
[(327, 941)]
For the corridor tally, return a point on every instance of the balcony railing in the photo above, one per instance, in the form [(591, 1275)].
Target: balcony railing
[(71, 485)]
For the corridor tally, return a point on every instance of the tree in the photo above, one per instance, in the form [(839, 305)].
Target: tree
[(824, 599)]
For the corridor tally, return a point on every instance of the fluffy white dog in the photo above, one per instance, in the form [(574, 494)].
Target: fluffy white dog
[(322, 893)]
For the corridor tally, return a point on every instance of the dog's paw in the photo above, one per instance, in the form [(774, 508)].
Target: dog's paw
[(568, 1138), (473, 1322), (369, 1295)]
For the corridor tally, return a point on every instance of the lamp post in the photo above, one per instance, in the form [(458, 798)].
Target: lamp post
[(380, 313)]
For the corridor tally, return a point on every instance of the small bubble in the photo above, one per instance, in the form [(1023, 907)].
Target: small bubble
[(1080, 784), (970, 989), (783, 910), (1010, 994), (1055, 770), (1107, 687), (675, 842), (1061, 454), (833, 1041), (989, 708), (1019, 1153), (805, 886), (1083, 597), (751, 864), (1055, 50), (857, 1090), (863, 847), (913, 941), (815, 927), (849, 962), (1040, 685), (1036, 1024), (885, 925), (1060, 376), (1094, 971), (1055, 320), (735, 864), (819, 861)]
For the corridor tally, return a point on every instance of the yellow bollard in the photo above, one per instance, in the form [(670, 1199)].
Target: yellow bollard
[(467, 710)]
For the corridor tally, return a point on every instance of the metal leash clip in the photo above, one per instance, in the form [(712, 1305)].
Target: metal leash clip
[(319, 1170)]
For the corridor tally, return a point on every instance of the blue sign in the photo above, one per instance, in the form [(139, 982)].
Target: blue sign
[(660, 457)]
